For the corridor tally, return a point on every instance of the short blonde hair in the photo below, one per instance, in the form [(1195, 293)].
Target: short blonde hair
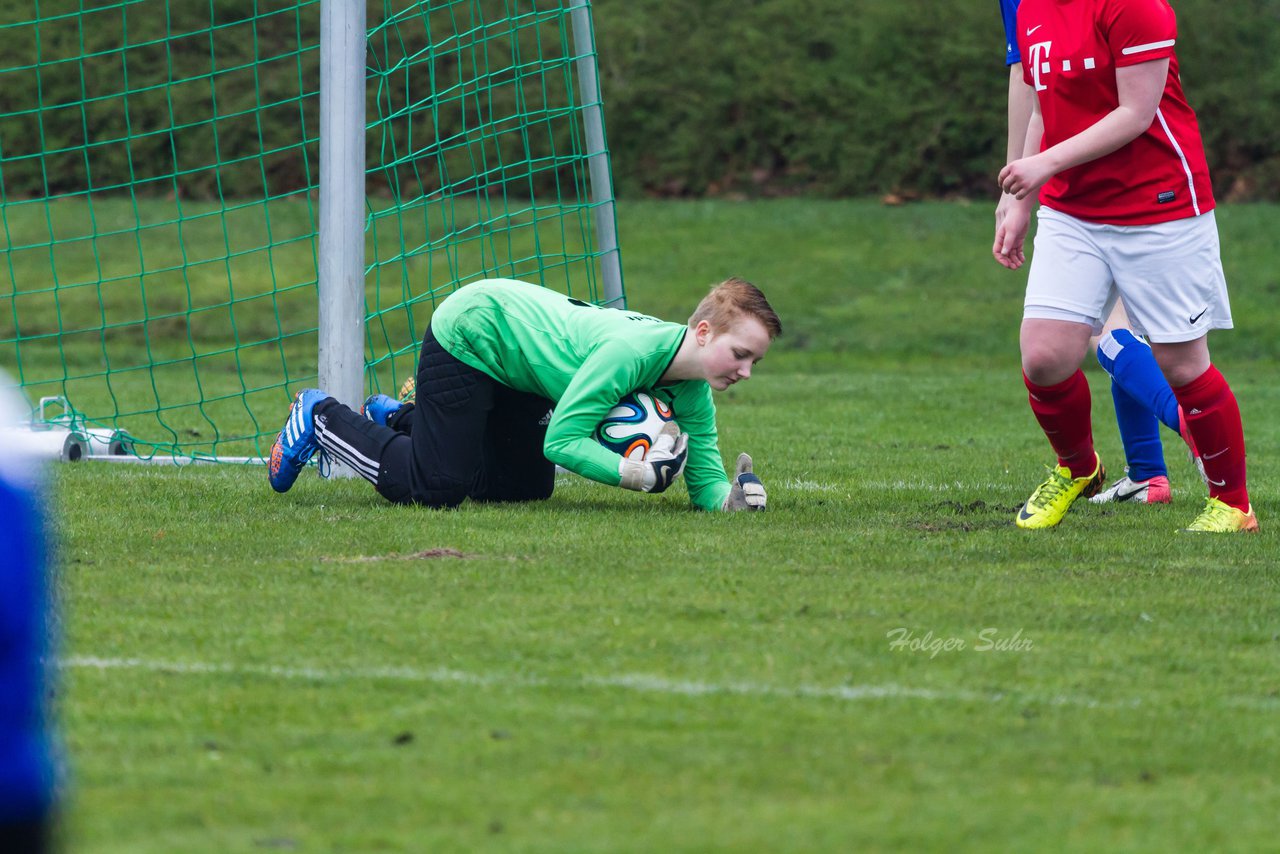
[(734, 298)]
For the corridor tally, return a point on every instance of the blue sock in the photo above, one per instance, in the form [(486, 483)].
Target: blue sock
[(1142, 399), (1140, 435), (1130, 363)]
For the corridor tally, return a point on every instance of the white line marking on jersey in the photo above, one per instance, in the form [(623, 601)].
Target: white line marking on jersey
[(1186, 167), (1142, 48)]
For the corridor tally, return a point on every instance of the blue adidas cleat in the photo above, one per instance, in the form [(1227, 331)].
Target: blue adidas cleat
[(296, 443), (379, 407)]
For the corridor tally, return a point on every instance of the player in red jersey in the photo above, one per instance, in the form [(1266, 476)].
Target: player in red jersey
[(1141, 396), (1126, 210)]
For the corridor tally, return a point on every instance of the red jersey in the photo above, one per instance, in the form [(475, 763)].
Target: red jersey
[(1070, 52)]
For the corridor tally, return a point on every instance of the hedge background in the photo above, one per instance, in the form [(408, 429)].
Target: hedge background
[(703, 97), (845, 97)]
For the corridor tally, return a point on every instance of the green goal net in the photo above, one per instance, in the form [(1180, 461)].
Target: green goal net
[(159, 204)]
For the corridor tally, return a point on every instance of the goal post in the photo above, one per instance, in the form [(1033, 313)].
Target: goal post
[(342, 200), (598, 157), (170, 236)]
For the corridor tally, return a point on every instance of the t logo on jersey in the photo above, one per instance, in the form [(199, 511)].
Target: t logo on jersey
[(1039, 62)]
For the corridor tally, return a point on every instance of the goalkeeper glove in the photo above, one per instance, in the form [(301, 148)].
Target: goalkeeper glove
[(661, 466), (747, 492)]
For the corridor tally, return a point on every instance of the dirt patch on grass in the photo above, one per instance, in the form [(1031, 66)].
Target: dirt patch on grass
[(982, 516), (426, 554)]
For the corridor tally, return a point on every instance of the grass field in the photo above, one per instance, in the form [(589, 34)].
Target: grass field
[(613, 672)]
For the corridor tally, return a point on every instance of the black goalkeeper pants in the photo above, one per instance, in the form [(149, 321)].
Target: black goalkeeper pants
[(467, 436)]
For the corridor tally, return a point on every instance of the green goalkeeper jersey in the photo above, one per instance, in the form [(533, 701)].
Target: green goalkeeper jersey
[(584, 358)]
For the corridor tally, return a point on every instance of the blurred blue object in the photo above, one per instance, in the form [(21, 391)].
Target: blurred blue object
[(26, 754)]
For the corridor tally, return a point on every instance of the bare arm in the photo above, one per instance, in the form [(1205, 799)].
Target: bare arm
[(1013, 214), (1021, 98), (1140, 88)]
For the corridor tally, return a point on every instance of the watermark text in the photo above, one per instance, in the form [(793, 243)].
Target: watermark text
[(989, 639)]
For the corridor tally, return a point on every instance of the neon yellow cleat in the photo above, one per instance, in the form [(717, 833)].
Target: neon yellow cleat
[(1218, 517), (1053, 498)]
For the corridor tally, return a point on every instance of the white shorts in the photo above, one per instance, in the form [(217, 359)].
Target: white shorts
[(1169, 275)]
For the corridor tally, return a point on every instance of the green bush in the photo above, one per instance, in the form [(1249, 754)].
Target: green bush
[(159, 98), (165, 100), (717, 97), (840, 97)]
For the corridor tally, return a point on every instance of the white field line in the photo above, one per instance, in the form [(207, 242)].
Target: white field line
[(810, 486), (803, 485), (799, 485), (933, 486), (637, 682)]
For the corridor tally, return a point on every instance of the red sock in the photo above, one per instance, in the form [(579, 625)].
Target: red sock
[(1063, 413), (1213, 419)]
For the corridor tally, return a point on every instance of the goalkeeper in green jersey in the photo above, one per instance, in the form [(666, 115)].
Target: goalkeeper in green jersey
[(513, 379)]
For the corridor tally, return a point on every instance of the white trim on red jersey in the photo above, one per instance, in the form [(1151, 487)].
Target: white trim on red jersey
[(1142, 48), (1186, 167)]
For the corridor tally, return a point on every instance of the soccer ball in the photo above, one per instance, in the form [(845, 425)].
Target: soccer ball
[(407, 391), (631, 427)]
